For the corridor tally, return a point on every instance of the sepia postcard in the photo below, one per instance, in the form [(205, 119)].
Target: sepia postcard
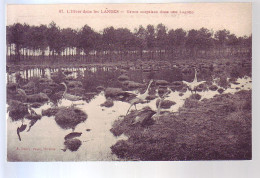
[(129, 82)]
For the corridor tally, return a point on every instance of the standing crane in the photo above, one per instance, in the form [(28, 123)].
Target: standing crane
[(192, 86), (34, 117), (69, 96), (162, 98), (140, 98)]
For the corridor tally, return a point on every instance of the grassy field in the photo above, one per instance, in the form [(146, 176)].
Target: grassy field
[(211, 129)]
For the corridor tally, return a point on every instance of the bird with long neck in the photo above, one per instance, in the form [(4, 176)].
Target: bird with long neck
[(195, 76), (34, 117), (65, 91), (160, 102), (69, 96), (192, 86), (140, 98)]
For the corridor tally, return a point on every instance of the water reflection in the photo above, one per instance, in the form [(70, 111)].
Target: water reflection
[(45, 139), (47, 134)]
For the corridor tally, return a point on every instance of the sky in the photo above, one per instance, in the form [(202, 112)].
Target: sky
[(235, 17)]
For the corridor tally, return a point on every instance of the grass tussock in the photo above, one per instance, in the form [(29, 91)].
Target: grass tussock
[(40, 97), (108, 103), (212, 129), (133, 122), (17, 110), (68, 118), (50, 112), (72, 144)]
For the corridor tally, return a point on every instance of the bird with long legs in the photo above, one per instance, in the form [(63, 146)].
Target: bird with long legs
[(162, 98), (70, 97), (33, 117), (192, 86), (140, 98)]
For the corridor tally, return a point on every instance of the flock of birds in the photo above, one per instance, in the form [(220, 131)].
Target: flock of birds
[(192, 86), (139, 98)]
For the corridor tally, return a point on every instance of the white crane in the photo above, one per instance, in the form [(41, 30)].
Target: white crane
[(160, 102), (140, 98), (69, 96), (192, 86)]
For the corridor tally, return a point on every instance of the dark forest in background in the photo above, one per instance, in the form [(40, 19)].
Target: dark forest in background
[(52, 43)]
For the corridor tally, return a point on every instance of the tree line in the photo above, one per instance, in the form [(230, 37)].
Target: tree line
[(50, 42)]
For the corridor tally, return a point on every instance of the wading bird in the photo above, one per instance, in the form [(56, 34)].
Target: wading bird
[(140, 98), (69, 96), (162, 98), (192, 86), (34, 117)]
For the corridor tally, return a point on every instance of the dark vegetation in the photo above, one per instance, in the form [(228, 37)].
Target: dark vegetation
[(17, 110), (108, 103), (165, 104), (69, 118), (133, 122), (50, 112), (72, 144), (72, 135), (211, 129), (51, 44)]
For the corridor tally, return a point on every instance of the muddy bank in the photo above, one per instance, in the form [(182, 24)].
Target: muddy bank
[(211, 129)]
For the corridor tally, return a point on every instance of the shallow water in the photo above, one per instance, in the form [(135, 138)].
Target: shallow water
[(47, 134), (46, 139)]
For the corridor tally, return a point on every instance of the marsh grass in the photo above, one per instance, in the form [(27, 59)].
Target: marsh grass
[(69, 117), (212, 129)]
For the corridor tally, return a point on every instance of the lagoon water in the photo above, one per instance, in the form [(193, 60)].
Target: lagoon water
[(45, 140)]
